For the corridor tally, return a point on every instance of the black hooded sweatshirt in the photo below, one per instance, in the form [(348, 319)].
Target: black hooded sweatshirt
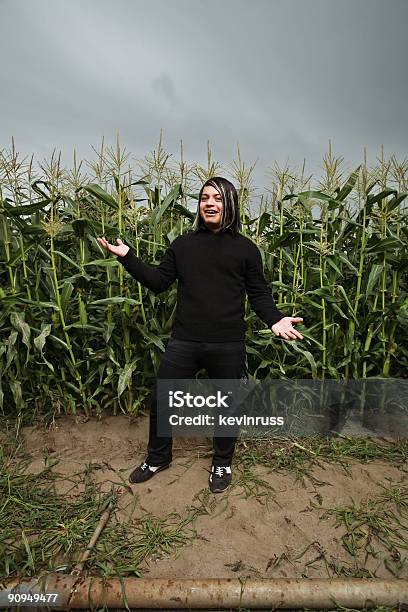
[(213, 271)]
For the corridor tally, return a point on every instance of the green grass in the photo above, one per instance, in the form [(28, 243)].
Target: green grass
[(42, 529), (299, 456), (377, 524)]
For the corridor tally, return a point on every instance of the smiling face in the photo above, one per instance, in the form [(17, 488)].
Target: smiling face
[(211, 207)]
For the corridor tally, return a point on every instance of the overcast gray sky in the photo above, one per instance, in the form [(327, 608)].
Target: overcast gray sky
[(279, 77)]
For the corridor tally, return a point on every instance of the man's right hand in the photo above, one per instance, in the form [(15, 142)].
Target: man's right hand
[(119, 251)]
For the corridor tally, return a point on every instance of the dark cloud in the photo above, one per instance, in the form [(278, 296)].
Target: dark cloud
[(279, 77)]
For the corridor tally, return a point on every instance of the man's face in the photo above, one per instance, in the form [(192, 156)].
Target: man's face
[(211, 207)]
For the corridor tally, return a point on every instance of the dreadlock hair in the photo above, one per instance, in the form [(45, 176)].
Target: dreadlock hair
[(230, 218)]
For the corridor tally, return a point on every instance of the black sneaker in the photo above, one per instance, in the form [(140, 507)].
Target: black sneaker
[(144, 472), (220, 478)]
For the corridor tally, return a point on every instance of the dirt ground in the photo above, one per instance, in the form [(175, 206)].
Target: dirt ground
[(240, 536)]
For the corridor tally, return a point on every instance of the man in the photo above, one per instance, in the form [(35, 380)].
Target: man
[(214, 264)]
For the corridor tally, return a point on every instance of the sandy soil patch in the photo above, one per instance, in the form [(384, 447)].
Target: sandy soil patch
[(280, 531)]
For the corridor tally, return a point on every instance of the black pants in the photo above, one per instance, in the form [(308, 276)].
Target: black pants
[(183, 359)]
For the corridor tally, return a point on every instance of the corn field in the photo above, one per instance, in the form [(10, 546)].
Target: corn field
[(79, 334)]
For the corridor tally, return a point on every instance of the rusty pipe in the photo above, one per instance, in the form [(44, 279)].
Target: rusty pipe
[(77, 592)]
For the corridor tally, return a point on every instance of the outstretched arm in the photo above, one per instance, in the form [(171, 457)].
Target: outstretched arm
[(157, 278)]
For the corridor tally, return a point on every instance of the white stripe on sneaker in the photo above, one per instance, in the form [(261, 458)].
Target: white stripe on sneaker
[(218, 469)]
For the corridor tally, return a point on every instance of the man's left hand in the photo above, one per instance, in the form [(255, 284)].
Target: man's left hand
[(284, 329)]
